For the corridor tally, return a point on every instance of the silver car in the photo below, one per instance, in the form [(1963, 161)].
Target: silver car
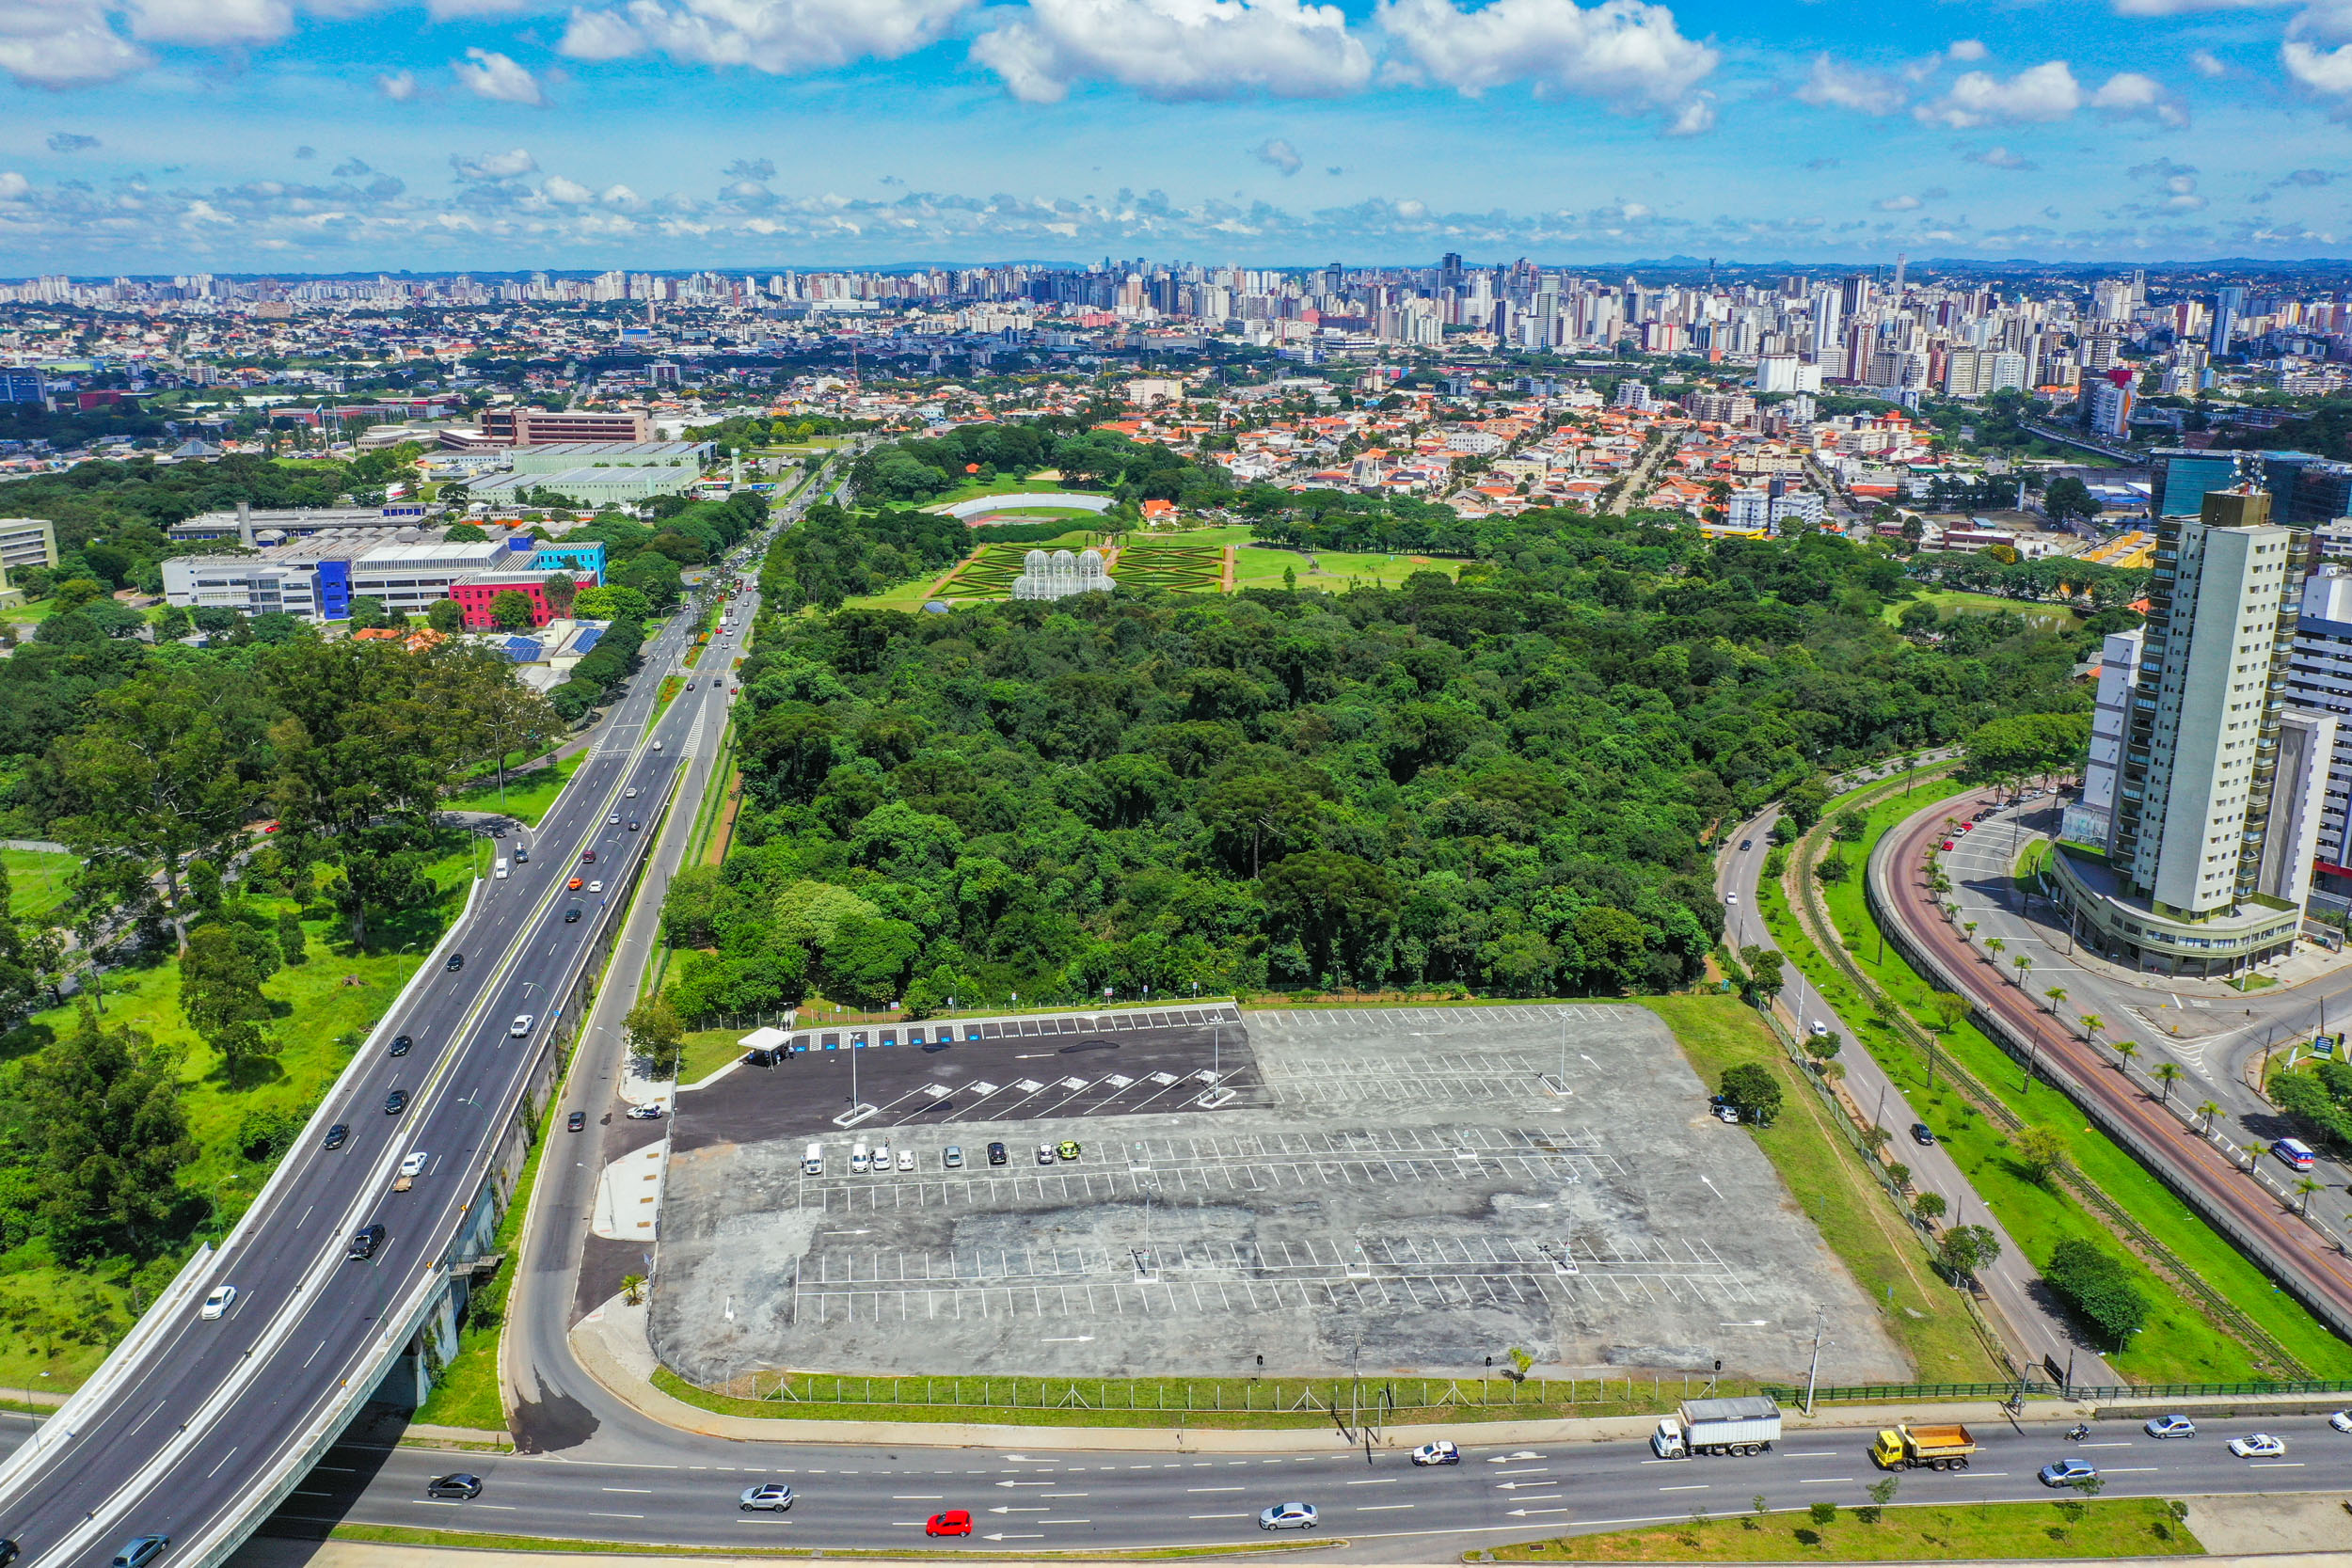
[(774, 1497)]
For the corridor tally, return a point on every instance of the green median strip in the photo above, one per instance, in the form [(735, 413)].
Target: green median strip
[(2067, 1528)]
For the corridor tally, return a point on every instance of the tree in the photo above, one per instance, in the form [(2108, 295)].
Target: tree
[(2023, 965), (1753, 1091), (367, 611), (2168, 1074), (220, 994), (2068, 498), (1928, 1206), (166, 766), (1822, 1046), (562, 590), (2040, 1153), (511, 610), (1995, 945), (2098, 1286), (1965, 1250), (291, 942), (2057, 995), (2125, 1051), (103, 1110), (1758, 974), (2209, 1110), (2092, 1026), (446, 616), (656, 1035), (1335, 906), (498, 715), (2304, 1188)]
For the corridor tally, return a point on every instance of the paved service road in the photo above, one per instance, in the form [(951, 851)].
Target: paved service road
[(209, 1414), (684, 1492), (2039, 1329)]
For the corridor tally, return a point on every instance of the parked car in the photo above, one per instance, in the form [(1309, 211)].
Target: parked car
[(906, 1159), (1066, 1148), (458, 1484), (953, 1157), (1289, 1516), (1442, 1451), (956, 1521), (2170, 1426), (644, 1113), (217, 1305), (997, 1154), (2258, 1445), (1046, 1154), (771, 1496)]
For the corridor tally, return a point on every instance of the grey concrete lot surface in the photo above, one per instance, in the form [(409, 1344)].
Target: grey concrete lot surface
[(1402, 1189)]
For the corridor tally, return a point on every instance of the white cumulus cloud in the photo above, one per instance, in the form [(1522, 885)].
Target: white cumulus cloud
[(2206, 63), (495, 166), (2045, 92), (779, 37), (1178, 49), (1832, 84), (63, 43), (212, 22), (14, 186), (487, 74), (1626, 51), (2128, 93), (398, 86), (571, 193), (2183, 8), (1967, 48), (1276, 153)]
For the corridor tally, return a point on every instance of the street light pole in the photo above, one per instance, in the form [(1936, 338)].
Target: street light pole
[(1813, 1373)]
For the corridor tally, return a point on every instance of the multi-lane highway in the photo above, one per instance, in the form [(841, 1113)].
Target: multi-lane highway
[(186, 1429), (685, 1493)]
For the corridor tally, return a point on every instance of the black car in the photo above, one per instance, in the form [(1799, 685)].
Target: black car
[(8, 1552), (574, 1122), (1922, 1134), (337, 1134), (395, 1102), (458, 1485), (401, 1045), (996, 1155), (632, 824), (364, 1242), (571, 915), (456, 961)]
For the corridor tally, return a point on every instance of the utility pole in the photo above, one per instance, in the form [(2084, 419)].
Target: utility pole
[(1813, 1373)]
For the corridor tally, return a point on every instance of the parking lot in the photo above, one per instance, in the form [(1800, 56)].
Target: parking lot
[(1285, 1185)]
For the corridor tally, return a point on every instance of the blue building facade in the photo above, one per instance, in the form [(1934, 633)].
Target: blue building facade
[(584, 560)]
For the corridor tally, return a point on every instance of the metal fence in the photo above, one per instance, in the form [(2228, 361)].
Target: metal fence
[(1277, 1396), (1895, 1392)]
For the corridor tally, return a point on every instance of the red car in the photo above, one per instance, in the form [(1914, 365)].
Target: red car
[(1966, 827), (956, 1521), (1946, 845)]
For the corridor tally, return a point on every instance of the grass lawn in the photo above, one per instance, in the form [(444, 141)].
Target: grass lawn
[(2180, 1344), (37, 880), (2104, 1528), (1003, 484), (1848, 1207), (1333, 571), (707, 1052), (32, 614), (327, 1006), (467, 1392), (1949, 602), (529, 796)]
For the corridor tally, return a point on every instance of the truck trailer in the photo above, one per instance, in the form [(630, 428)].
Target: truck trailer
[(1928, 1448), (1747, 1425)]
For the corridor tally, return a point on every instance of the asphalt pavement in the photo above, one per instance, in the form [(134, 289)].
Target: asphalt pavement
[(684, 1492)]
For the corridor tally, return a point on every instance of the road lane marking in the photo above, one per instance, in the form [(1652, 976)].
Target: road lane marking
[(1382, 1508), (224, 1459), (1701, 1487), (1827, 1480), (2278, 1464), (1384, 1481), (1216, 1515), (1212, 1488)]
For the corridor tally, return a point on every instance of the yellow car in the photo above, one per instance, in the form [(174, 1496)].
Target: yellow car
[(1066, 1148)]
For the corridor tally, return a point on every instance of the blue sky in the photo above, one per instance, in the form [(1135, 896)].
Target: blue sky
[(171, 135)]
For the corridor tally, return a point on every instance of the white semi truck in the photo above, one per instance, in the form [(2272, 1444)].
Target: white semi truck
[(1747, 1425)]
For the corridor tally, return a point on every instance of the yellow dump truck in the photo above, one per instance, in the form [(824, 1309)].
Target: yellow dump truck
[(1935, 1447)]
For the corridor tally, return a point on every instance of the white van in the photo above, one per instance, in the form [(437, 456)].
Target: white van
[(500, 871), (860, 1161), (813, 1162)]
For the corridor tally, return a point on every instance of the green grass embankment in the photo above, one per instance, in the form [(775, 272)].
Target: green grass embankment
[(2182, 1342), (2109, 1527)]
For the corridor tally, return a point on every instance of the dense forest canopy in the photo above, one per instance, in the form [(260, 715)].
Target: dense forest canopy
[(916, 470), (1508, 785)]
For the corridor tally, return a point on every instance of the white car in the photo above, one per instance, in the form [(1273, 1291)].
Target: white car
[(643, 1113), (596, 886), (906, 1159), (1442, 1451), (217, 1304), (629, 794), (1731, 899), (882, 1157), (1288, 1516), (1729, 1116), (2340, 1420), (521, 1027), (415, 1163), (614, 820), (2260, 1445)]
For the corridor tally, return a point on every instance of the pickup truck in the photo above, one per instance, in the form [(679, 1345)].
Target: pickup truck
[(1928, 1448), (1746, 1425)]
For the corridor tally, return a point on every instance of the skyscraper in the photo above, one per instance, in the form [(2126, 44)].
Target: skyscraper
[(2217, 795), (2228, 306)]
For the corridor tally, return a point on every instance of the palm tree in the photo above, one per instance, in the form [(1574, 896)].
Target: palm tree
[(2057, 995), (2208, 1110), (2092, 1023), (2254, 1153), (2125, 1051), (2024, 966), (1969, 930), (2169, 1074), (2304, 1188), (1995, 946)]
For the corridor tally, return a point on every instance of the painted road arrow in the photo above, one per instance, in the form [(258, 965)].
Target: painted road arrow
[(1523, 1513), (1016, 1511), (1037, 1537)]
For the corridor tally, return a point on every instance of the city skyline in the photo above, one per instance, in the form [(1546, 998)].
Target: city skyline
[(314, 136)]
